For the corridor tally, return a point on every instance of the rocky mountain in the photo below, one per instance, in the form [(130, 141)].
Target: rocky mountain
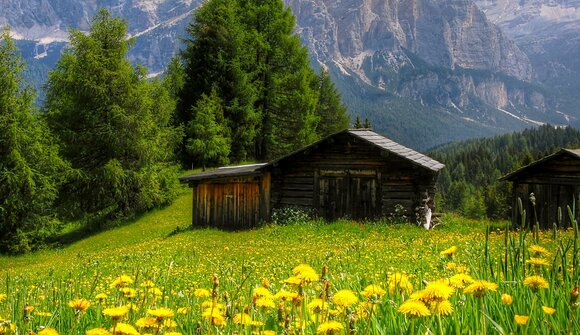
[(548, 31), (424, 72)]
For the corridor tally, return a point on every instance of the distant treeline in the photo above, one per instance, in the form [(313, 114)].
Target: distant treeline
[(470, 182), (108, 142)]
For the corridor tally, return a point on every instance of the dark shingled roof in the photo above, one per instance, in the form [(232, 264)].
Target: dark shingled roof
[(369, 136), (396, 148), (223, 172), (574, 153)]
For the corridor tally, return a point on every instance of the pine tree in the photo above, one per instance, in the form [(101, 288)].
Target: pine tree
[(357, 123), (112, 123), (208, 142), (332, 113), (30, 168)]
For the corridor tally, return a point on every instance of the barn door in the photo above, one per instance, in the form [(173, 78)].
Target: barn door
[(348, 193)]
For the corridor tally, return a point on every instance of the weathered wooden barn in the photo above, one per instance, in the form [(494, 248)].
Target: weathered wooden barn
[(555, 183), (356, 173)]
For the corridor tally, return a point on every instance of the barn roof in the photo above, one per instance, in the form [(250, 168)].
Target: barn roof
[(572, 153), (224, 172), (382, 143), (366, 135)]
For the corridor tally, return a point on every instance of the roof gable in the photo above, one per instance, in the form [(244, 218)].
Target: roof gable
[(571, 153)]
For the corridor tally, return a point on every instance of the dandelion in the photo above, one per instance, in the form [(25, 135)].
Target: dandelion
[(373, 292), (2, 297), (101, 297), (399, 282), (214, 316), (438, 291), (128, 292), (183, 310), (28, 309), (536, 283), (48, 331), (122, 281), (480, 287), (414, 308), (160, 313), (521, 319), (537, 262), (506, 299), (147, 323), (305, 273), (285, 295), (292, 280), (44, 314), (242, 319), (537, 250), (98, 331), (147, 284), (329, 327), (262, 292), (450, 265), (548, 310), (449, 251), (116, 313), (441, 307), (201, 293), (345, 298), (317, 305), (460, 280), (79, 305), (172, 333), (265, 303), (124, 329)]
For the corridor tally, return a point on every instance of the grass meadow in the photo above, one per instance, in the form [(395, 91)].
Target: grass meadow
[(152, 276)]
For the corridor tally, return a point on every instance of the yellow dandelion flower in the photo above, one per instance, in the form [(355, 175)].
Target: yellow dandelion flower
[(122, 281), (262, 292), (48, 331), (399, 282), (460, 280), (329, 327), (183, 310), (147, 323), (438, 291), (418, 295), (480, 287), (79, 304), (265, 303), (535, 261), (124, 329), (147, 284), (172, 333), (373, 291), (43, 314), (344, 298), (98, 331), (506, 299), (292, 280), (537, 250), (28, 309), (414, 308), (168, 323), (305, 273), (317, 305), (243, 319), (160, 313), (449, 251), (116, 312), (2, 297), (101, 296), (441, 307), (214, 316), (128, 292), (285, 295), (548, 310), (201, 293), (536, 282), (521, 319), (450, 265)]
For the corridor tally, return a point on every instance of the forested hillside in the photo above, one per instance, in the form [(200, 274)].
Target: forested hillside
[(470, 182)]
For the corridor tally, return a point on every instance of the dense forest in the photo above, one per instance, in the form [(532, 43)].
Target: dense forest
[(470, 182), (108, 143)]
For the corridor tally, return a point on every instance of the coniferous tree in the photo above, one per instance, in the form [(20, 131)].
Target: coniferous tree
[(30, 168), (113, 125), (357, 123), (330, 109), (208, 142)]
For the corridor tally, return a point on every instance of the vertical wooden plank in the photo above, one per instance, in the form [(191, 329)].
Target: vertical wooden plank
[(194, 211)]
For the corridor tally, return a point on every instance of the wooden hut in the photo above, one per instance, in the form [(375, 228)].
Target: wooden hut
[(555, 183), (357, 174)]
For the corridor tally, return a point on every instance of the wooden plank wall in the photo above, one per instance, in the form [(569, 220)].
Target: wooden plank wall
[(548, 199), (297, 181), (230, 204)]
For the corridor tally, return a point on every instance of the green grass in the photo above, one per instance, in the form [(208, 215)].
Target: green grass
[(155, 247)]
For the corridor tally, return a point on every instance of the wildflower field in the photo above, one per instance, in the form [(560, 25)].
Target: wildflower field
[(151, 277)]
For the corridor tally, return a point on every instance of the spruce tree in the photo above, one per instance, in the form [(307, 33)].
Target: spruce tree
[(30, 168), (112, 123), (330, 109)]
